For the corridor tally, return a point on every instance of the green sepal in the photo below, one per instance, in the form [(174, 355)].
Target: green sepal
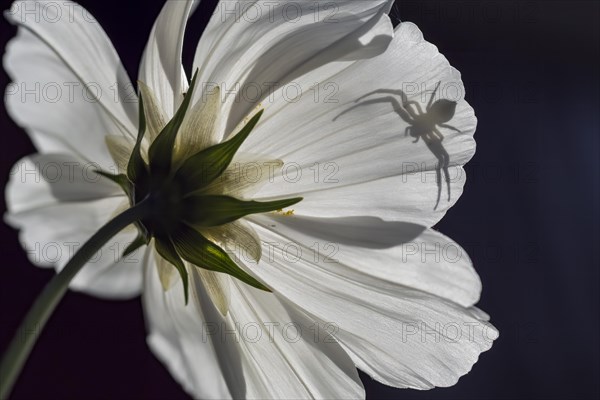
[(139, 241), (165, 248), (207, 165), (196, 249), (136, 167), (119, 179), (214, 210), (161, 150)]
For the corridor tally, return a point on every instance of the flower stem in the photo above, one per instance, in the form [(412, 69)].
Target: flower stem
[(27, 334)]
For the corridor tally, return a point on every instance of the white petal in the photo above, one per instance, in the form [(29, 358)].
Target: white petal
[(161, 67), (64, 177), (293, 358), (178, 336), (410, 197), (67, 79), (337, 142), (401, 336), (253, 353), (56, 216), (121, 278), (248, 46), (52, 234), (380, 252)]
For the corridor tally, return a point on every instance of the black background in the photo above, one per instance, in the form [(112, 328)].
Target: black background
[(528, 217)]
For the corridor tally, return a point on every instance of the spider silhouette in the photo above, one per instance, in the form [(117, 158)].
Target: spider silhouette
[(421, 125)]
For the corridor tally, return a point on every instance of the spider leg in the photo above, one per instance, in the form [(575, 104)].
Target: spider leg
[(382, 91), (450, 127), (402, 113), (438, 134), (433, 95), (408, 130), (438, 180), (443, 158), (446, 172), (406, 103)]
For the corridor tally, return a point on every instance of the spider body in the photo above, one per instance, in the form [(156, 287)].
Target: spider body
[(422, 125)]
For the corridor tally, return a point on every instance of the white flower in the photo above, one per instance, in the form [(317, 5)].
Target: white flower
[(358, 277)]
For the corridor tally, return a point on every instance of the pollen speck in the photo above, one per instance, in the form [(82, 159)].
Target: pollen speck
[(287, 213)]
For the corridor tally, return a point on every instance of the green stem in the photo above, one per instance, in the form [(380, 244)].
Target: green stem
[(26, 336)]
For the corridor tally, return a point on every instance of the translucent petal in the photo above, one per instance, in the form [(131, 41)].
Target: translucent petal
[(238, 239), (200, 125), (217, 287), (155, 117), (245, 176), (120, 148), (204, 167), (167, 273)]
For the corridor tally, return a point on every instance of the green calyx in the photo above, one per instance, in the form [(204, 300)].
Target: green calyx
[(181, 207)]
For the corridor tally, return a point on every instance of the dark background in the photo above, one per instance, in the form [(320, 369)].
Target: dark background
[(528, 218)]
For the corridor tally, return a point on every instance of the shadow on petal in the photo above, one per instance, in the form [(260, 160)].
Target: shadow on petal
[(368, 232)]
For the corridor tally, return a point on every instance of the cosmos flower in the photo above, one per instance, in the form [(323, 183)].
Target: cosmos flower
[(279, 286)]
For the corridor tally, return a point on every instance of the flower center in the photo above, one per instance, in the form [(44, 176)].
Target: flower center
[(177, 185), (166, 201)]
